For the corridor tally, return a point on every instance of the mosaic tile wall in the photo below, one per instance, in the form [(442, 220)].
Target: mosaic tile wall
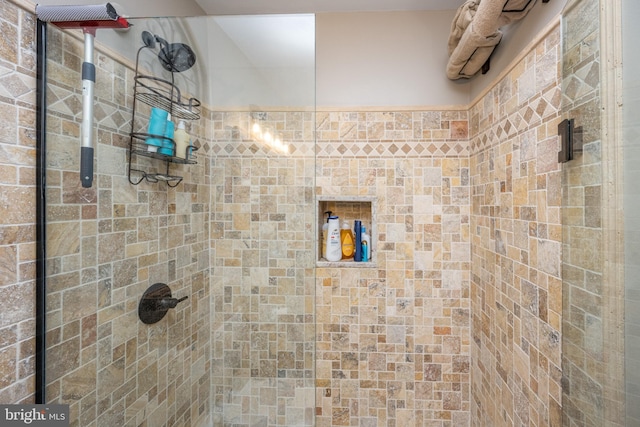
[(18, 195), (593, 348), (106, 245), (393, 338), (516, 235), (456, 324), (262, 258)]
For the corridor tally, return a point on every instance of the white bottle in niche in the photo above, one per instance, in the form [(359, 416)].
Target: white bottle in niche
[(325, 229), (334, 247)]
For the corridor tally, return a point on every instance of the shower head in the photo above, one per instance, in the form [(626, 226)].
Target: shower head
[(149, 39), (175, 57)]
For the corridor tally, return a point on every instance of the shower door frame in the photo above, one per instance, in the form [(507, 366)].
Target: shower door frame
[(604, 345), (613, 215), (41, 288), (42, 106)]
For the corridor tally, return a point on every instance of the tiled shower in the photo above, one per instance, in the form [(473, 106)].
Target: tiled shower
[(277, 340), (458, 321)]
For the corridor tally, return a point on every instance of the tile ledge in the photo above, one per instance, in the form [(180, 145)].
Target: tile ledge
[(346, 264)]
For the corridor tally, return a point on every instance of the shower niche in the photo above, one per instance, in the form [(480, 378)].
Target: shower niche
[(348, 209), (160, 112)]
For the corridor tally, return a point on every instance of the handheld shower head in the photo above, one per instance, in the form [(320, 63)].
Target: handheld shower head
[(149, 39)]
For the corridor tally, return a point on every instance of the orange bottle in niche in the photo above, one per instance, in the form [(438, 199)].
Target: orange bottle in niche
[(346, 238)]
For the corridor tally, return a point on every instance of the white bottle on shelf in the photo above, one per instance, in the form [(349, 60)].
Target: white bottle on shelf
[(325, 230), (334, 247), (182, 140)]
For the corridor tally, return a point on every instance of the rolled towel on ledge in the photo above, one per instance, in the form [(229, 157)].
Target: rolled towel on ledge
[(475, 33)]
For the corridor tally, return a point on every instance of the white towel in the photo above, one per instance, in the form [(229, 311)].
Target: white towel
[(475, 33)]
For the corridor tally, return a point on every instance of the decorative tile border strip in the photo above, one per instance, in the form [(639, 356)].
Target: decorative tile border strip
[(344, 134)]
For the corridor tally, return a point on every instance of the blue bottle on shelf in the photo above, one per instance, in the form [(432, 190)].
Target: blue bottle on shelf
[(168, 146), (366, 245), (357, 230), (156, 129)]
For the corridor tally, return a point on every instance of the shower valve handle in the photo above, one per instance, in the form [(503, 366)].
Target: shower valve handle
[(156, 303), (171, 302)]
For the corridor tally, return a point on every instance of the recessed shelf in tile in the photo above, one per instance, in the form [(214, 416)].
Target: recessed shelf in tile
[(348, 209)]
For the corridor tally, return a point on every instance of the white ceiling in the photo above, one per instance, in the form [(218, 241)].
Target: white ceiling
[(242, 7), (153, 8), (248, 25), (140, 8)]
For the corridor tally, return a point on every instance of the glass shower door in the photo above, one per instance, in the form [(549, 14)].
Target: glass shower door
[(631, 147), (234, 235), (107, 244), (593, 284), (262, 237)]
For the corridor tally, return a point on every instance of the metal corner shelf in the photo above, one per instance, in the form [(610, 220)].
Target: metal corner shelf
[(157, 92), (140, 148), (160, 93)]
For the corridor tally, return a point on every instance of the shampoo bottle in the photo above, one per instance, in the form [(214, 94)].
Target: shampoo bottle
[(346, 239), (366, 245), (190, 149), (334, 248), (168, 144), (357, 228), (181, 137), (156, 129), (325, 230)]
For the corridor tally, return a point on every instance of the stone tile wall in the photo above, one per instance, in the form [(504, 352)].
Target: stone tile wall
[(593, 346), (106, 245), (18, 198), (262, 258), (516, 236), (468, 227), (372, 346), (393, 338)]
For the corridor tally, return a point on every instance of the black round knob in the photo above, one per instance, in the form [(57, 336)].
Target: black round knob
[(155, 303)]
